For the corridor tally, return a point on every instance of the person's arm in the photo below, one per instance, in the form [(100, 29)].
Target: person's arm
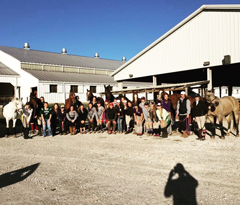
[(76, 116), (30, 115), (178, 105), (67, 116), (188, 107), (50, 117)]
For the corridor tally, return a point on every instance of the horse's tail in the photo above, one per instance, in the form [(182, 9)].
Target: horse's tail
[(234, 121)]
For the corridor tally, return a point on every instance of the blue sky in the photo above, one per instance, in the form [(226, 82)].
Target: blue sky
[(113, 28)]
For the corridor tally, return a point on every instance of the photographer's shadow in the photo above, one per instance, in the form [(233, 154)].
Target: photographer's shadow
[(181, 187)]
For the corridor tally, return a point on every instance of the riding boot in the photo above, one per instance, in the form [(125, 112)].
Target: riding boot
[(7, 132), (200, 134), (164, 133)]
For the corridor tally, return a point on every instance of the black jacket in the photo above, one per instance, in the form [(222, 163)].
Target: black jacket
[(200, 109), (83, 114), (111, 114)]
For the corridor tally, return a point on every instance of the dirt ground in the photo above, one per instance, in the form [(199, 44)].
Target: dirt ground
[(115, 169)]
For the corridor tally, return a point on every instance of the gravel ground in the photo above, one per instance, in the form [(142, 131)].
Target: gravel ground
[(115, 169)]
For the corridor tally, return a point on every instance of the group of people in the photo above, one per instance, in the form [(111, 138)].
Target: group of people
[(119, 116)]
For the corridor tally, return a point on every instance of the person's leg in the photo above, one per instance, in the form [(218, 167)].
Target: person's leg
[(44, 128), (49, 128), (114, 126), (120, 125)]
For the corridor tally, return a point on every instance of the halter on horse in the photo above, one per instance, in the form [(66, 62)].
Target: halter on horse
[(10, 112)]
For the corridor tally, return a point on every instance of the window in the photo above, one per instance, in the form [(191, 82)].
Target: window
[(74, 88), (226, 91), (237, 91), (93, 89), (53, 88)]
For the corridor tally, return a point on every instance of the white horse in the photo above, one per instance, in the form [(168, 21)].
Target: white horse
[(11, 111)]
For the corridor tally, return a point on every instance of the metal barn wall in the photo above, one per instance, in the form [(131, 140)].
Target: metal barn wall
[(207, 37), (63, 91)]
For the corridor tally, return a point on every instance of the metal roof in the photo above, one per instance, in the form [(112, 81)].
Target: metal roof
[(70, 77), (4, 70), (43, 57), (223, 7)]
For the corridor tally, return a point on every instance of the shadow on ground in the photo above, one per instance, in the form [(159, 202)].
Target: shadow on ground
[(17, 175), (3, 127)]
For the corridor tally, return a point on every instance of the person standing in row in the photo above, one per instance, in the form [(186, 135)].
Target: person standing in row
[(111, 118), (167, 105), (46, 115), (164, 118), (99, 115), (72, 116), (138, 117), (82, 111), (55, 120), (27, 114), (62, 120), (91, 117), (119, 110), (128, 112), (199, 111), (183, 112)]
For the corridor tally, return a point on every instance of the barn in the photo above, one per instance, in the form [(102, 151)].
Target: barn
[(53, 75), (204, 47)]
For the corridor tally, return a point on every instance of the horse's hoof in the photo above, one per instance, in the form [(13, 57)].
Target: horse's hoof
[(237, 135), (6, 136), (15, 136), (228, 134), (223, 138), (212, 137)]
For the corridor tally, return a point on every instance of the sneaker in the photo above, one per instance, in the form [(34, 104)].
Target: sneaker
[(51, 136)]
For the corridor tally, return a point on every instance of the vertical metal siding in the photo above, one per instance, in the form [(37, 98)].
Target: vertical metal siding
[(207, 37)]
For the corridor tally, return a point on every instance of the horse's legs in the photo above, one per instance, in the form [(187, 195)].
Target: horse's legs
[(236, 119), (14, 127), (228, 118), (213, 126), (220, 119), (7, 127)]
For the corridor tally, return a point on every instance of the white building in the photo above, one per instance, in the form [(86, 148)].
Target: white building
[(53, 75), (204, 46)]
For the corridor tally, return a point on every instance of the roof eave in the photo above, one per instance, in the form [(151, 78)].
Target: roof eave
[(191, 16)]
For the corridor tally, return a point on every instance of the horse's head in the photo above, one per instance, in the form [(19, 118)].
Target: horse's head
[(209, 96), (89, 95), (19, 105), (72, 96)]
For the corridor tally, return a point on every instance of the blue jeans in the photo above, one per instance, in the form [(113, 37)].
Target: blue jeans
[(119, 124), (48, 126)]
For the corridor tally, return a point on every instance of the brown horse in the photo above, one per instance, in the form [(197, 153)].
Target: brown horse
[(90, 97), (108, 93), (227, 107), (70, 101), (135, 98)]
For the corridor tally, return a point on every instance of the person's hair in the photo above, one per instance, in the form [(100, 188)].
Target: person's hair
[(28, 103), (54, 106)]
